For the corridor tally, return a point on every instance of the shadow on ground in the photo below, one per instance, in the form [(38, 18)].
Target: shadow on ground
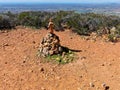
[(66, 49)]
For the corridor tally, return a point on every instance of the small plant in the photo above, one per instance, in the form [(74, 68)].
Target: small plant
[(64, 58), (112, 38)]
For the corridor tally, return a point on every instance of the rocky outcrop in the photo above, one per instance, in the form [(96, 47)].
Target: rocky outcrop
[(50, 45)]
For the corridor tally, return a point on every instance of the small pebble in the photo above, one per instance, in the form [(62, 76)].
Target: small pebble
[(103, 65), (5, 44), (58, 78), (83, 58), (42, 88), (21, 79), (103, 85), (109, 64), (5, 62), (79, 89), (107, 87), (24, 61), (71, 38), (33, 42), (42, 69), (91, 84), (81, 76)]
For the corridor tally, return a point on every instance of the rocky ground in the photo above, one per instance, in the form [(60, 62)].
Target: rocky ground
[(96, 66)]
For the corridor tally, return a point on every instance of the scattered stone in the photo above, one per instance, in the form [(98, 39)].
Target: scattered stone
[(22, 34), (33, 42), (6, 31), (91, 84), (52, 69), (5, 44), (71, 38), (21, 79), (112, 76), (42, 69), (56, 85), (112, 43), (109, 64), (87, 38), (50, 45), (83, 58), (79, 89), (113, 60), (63, 54), (42, 88), (81, 76), (34, 47), (103, 84), (30, 71), (58, 78), (24, 61), (88, 47), (5, 62), (97, 88), (103, 65), (107, 88)]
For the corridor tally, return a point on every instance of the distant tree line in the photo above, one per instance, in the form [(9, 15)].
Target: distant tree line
[(80, 23)]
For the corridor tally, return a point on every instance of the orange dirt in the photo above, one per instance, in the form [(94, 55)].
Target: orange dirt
[(21, 69)]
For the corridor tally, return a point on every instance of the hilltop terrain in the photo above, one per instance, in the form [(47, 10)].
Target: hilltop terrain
[(96, 66)]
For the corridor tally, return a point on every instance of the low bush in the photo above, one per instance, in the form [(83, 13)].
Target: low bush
[(82, 24), (112, 38)]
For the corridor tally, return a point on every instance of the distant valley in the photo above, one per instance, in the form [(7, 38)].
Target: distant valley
[(109, 9)]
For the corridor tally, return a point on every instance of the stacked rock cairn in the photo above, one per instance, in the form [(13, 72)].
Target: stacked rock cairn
[(50, 45)]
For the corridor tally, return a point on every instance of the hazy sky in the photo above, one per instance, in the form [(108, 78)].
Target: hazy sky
[(63, 1)]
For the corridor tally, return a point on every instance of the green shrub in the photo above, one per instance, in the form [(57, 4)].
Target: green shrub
[(112, 38), (80, 23)]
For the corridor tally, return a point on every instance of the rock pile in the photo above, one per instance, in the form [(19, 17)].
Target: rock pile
[(50, 45)]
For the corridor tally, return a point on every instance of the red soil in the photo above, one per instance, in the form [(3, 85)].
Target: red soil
[(21, 69)]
